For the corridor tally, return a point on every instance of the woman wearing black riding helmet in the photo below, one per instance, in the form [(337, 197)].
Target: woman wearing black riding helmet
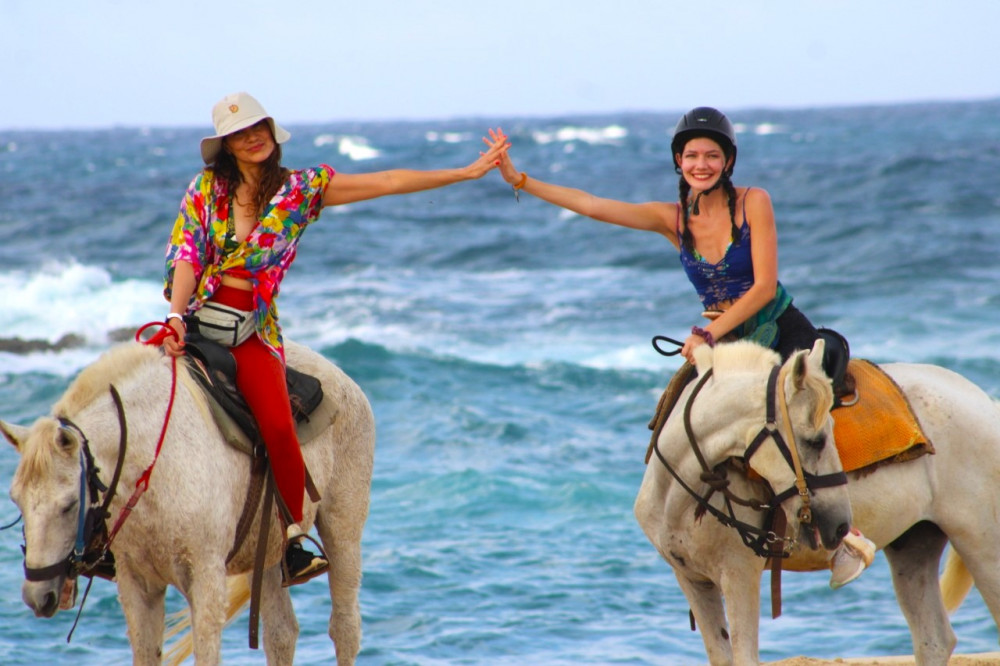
[(728, 247), (711, 225)]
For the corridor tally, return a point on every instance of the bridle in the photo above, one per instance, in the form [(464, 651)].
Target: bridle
[(92, 538), (768, 541)]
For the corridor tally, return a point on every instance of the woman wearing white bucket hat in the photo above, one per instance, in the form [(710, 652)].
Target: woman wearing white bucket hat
[(237, 232)]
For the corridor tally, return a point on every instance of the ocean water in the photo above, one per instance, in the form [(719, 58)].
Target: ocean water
[(505, 350)]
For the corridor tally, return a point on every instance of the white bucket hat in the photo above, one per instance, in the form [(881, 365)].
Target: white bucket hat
[(233, 113)]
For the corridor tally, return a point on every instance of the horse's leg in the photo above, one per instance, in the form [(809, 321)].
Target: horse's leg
[(914, 559), (709, 613), (980, 558), (207, 596), (281, 629), (340, 531), (144, 608), (741, 589)]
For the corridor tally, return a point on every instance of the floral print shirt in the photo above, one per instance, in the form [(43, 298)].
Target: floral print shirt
[(199, 236)]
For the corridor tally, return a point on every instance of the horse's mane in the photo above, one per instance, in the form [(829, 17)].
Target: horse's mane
[(114, 365), (36, 460), (739, 356), (743, 356)]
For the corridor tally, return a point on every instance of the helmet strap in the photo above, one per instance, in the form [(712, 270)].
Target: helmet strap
[(695, 210)]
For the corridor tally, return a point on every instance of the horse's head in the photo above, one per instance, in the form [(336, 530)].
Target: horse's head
[(789, 442), (46, 488)]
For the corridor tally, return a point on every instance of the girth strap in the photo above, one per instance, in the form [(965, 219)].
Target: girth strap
[(258, 564), (258, 472)]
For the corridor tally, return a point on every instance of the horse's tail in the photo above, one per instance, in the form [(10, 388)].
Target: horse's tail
[(179, 623), (956, 581)]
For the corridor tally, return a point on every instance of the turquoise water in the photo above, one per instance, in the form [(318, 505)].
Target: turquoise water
[(505, 350)]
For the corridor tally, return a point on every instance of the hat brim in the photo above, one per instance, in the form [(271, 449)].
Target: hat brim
[(211, 145)]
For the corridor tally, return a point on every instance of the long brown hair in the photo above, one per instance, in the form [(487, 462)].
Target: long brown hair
[(273, 175)]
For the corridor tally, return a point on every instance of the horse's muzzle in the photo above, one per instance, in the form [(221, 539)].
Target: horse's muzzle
[(46, 597)]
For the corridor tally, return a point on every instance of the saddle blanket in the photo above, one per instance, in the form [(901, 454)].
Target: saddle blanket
[(879, 427)]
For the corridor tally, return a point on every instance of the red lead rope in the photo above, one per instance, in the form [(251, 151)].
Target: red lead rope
[(143, 483)]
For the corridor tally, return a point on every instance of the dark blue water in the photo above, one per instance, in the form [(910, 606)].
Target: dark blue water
[(505, 349)]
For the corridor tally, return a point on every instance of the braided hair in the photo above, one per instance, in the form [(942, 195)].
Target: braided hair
[(685, 190)]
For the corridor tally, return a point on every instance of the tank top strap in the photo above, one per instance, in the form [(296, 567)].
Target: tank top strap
[(745, 195)]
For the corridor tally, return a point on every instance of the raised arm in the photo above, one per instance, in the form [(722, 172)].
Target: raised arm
[(651, 216), (348, 188)]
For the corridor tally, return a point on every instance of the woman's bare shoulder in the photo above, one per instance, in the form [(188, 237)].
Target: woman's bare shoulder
[(754, 194)]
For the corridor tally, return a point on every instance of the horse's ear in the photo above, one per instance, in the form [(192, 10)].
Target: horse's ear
[(817, 355), (14, 434), (805, 362)]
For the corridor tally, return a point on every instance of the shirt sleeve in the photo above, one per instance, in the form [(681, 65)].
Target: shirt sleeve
[(315, 182), (189, 238)]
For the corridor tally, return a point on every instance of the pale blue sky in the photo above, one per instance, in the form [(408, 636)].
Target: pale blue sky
[(99, 63)]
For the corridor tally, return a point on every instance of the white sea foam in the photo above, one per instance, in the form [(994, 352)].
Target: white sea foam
[(324, 140), (612, 134), (447, 137), (760, 129), (356, 148), (72, 299)]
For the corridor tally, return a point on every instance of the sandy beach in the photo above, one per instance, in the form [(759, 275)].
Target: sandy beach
[(981, 659)]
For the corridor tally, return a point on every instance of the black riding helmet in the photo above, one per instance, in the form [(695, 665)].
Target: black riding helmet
[(708, 122)]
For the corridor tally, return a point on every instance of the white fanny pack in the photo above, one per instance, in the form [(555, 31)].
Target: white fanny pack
[(223, 324)]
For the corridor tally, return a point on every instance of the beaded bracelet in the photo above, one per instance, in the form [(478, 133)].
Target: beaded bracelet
[(702, 333)]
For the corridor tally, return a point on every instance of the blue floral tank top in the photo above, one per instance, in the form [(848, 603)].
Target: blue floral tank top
[(726, 280)]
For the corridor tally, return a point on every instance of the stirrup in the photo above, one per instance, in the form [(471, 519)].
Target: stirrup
[(286, 577)]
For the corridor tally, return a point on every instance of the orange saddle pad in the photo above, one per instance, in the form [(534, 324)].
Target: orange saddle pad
[(880, 426)]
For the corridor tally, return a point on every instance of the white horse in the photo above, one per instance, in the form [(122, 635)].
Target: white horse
[(183, 527), (911, 509)]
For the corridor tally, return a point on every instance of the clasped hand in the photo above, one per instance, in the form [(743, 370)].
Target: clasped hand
[(501, 142)]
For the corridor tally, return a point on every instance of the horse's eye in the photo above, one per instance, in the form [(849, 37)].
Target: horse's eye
[(71, 507), (817, 443)]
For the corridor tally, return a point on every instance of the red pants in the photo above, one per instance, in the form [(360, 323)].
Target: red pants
[(260, 377)]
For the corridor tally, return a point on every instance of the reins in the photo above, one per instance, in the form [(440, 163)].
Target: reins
[(759, 540), (142, 484), (769, 542), (753, 536), (93, 540)]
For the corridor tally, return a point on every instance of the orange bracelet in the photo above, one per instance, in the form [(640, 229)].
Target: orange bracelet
[(520, 183)]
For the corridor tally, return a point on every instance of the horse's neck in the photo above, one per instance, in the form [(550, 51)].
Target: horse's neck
[(721, 418), (146, 403)]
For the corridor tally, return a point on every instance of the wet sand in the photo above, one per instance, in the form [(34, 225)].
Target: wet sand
[(982, 659)]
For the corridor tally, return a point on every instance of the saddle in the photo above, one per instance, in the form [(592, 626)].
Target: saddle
[(877, 427), (873, 421), (214, 367)]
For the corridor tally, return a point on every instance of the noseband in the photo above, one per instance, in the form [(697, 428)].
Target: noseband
[(92, 531), (761, 541)]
